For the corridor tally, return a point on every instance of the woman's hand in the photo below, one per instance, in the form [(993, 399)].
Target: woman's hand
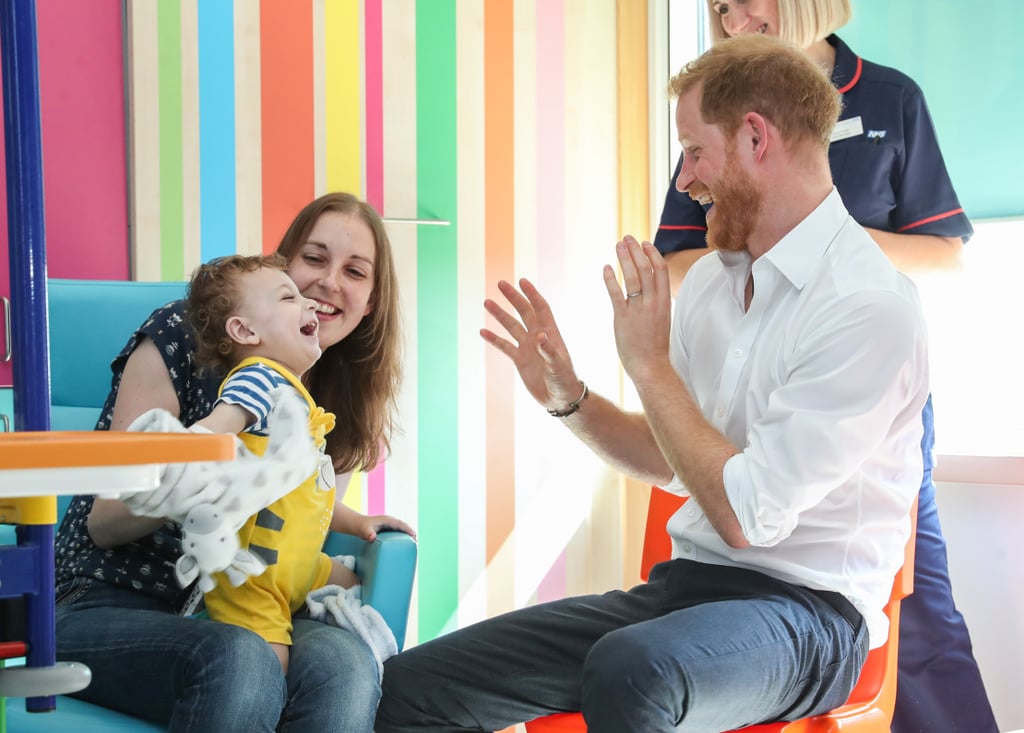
[(539, 354)]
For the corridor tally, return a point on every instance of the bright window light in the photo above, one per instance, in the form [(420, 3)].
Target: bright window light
[(976, 346)]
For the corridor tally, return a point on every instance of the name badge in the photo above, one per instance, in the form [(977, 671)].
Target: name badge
[(847, 128)]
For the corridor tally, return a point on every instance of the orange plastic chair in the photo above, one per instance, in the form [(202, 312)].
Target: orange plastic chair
[(870, 706)]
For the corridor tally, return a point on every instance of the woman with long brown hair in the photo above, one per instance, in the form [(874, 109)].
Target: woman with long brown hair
[(120, 609)]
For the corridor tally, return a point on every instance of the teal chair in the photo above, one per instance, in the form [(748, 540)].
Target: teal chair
[(89, 323)]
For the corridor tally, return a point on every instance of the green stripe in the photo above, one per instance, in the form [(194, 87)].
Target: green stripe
[(172, 227), (437, 326)]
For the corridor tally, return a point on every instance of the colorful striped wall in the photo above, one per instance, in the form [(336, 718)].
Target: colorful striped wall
[(501, 118), (82, 121)]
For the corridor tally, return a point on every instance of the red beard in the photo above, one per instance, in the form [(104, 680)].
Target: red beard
[(737, 205)]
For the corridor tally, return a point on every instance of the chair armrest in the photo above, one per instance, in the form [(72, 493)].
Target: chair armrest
[(386, 567)]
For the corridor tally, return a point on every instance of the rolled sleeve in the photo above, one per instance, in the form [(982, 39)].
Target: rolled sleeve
[(764, 522)]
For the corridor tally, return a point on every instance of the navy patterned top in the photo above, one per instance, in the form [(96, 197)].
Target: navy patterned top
[(147, 564)]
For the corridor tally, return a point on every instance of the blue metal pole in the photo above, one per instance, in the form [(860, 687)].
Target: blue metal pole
[(27, 253), (25, 222)]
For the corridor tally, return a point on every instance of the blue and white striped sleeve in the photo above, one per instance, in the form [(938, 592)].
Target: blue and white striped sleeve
[(250, 388)]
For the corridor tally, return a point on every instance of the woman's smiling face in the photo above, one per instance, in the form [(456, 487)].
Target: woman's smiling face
[(748, 16)]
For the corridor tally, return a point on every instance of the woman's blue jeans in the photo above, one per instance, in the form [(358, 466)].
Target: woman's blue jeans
[(697, 648), (201, 675)]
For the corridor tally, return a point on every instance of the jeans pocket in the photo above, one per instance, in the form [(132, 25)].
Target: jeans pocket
[(71, 591)]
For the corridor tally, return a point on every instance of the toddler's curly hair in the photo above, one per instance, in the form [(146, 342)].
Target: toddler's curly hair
[(213, 297)]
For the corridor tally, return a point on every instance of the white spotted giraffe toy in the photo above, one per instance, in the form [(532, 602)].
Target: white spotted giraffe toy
[(212, 500)]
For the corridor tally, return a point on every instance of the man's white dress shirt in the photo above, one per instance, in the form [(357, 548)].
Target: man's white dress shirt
[(820, 384)]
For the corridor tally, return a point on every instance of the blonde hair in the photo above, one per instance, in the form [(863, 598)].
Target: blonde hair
[(801, 22), (357, 378), (755, 73)]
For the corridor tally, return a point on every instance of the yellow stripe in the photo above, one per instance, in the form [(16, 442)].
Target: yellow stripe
[(319, 100), (343, 72), (634, 151), (634, 209)]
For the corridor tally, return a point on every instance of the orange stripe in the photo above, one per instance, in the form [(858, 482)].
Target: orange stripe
[(930, 219), (499, 235), (286, 86), (681, 227), (633, 148)]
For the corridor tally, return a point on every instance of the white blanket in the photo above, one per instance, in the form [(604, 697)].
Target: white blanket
[(344, 608)]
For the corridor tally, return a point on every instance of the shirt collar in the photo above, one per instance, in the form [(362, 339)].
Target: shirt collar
[(847, 70), (797, 255)]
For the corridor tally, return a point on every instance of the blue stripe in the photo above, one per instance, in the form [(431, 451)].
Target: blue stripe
[(254, 402), (216, 128), (250, 389)]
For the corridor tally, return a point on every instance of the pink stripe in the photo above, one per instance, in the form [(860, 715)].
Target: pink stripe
[(375, 490), (374, 107), (374, 63), (553, 587), (81, 81), (550, 142)]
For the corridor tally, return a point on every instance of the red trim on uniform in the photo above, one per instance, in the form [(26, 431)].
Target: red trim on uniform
[(855, 79), (680, 227), (930, 219)]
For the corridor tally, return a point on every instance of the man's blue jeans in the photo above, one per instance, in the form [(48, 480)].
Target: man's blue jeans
[(201, 675), (697, 648)]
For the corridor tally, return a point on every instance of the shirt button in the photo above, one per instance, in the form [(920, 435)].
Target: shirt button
[(737, 353), (687, 548), (690, 511), (720, 412)]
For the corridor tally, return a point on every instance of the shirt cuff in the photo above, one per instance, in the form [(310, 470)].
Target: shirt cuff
[(762, 526)]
